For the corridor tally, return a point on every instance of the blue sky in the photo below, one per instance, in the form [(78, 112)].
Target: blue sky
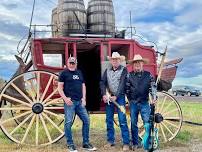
[(176, 23)]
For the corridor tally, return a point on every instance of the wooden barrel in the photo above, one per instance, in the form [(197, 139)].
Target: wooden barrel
[(54, 22), (101, 17), (68, 22)]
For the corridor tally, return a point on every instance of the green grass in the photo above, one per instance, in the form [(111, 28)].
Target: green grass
[(184, 136), (188, 133), (192, 111)]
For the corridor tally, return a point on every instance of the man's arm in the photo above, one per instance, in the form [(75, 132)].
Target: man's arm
[(62, 94), (84, 94), (103, 86)]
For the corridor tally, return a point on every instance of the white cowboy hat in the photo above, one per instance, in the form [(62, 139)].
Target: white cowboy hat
[(116, 55), (138, 57)]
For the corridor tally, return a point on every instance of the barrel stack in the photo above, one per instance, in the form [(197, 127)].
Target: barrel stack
[(70, 16), (101, 17)]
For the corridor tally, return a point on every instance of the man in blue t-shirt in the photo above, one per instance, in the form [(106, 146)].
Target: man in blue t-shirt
[(72, 89)]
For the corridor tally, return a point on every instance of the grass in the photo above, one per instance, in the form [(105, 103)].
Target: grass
[(192, 111), (188, 133)]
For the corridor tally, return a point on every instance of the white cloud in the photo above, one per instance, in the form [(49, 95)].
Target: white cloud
[(7, 37), (191, 17), (182, 32)]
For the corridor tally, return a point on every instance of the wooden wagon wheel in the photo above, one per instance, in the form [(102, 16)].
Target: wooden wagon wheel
[(168, 118), (39, 109)]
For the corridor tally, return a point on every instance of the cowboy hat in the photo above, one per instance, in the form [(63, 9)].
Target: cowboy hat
[(138, 57), (116, 55)]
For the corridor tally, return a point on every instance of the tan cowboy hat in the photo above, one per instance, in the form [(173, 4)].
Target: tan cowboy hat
[(116, 55), (138, 57)]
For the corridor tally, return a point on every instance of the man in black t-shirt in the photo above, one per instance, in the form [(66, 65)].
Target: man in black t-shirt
[(72, 89)]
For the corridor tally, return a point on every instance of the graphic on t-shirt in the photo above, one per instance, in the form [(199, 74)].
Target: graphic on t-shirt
[(75, 77)]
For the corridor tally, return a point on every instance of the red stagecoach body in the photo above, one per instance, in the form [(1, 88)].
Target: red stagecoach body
[(92, 60)]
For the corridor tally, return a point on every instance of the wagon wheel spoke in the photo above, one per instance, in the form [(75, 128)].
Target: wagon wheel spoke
[(14, 108), (33, 91), (21, 92), (166, 108), (53, 114), (172, 124), (53, 123), (160, 110), (162, 131), (172, 118), (16, 117), (54, 101), (37, 130), (33, 98), (38, 86), (155, 125), (170, 112), (46, 89), (167, 129), (53, 93), (45, 128), (28, 129), (16, 100), (53, 108), (23, 122)]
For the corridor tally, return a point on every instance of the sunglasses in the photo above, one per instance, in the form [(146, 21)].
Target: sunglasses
[(72, 63)]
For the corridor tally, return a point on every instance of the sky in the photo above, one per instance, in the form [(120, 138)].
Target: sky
[(176, 23)]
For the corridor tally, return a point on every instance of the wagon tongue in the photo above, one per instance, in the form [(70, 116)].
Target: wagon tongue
[(37, 108)]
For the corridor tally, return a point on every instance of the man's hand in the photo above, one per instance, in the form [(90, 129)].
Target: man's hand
[(68, 101), (154, 102), (113, 98), (83, 102), (105, 98)]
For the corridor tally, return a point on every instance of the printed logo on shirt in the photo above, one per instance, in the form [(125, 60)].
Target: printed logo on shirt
[(75, 77)]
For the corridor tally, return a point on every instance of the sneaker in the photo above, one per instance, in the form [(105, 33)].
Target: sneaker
[(89, 147), (72, 148), (126, 148)]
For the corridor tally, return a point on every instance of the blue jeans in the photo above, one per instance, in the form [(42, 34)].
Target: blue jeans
[(81, 111), (135, 108), (122, 121)]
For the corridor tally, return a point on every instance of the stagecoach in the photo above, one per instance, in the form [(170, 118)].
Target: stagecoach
[(31, 106)]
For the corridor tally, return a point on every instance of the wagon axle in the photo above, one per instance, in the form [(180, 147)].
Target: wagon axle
[(37, 108)]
